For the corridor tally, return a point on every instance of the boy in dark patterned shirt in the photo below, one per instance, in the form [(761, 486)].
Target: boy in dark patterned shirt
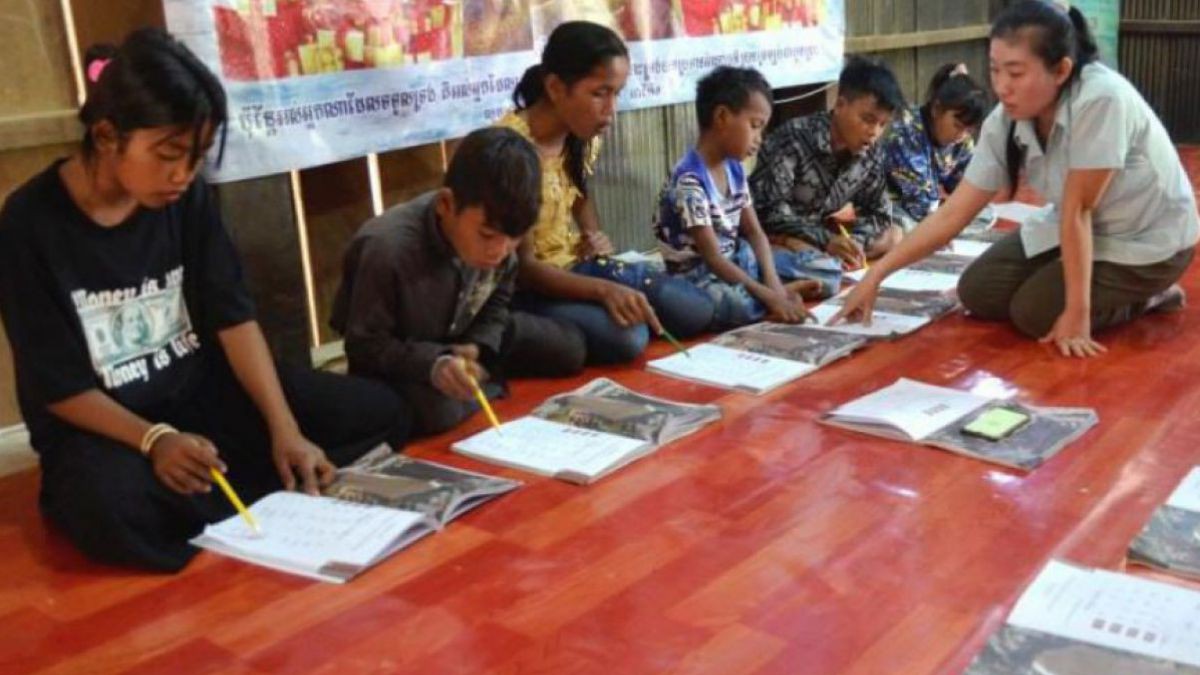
[(821, 181)]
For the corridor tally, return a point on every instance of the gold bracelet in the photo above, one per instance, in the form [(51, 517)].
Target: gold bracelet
[(153, 434)]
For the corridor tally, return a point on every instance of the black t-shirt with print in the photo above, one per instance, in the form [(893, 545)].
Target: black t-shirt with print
[(132, 310)]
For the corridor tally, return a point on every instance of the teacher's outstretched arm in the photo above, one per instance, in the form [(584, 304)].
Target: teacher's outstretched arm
[(932, 234)]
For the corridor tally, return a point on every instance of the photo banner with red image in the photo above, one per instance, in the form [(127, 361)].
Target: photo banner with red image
[(317, 81)]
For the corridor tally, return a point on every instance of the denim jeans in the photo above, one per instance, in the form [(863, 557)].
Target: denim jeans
[(733, 304), (683, 309), (809, 264)]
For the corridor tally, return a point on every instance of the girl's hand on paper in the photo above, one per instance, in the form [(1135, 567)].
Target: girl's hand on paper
[(297, 458), (182, 462)]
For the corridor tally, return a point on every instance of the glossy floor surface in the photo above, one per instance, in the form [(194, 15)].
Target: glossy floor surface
[(764, 544)]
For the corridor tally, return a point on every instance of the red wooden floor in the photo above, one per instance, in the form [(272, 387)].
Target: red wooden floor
[(767, 544)]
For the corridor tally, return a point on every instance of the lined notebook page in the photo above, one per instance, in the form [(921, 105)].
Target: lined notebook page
[(305, 533), (883, 324), (920, 280), (1113, 610), (916, 408), (550, 448), (969, 247), (731, 368)]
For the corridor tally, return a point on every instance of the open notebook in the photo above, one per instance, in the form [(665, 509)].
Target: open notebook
[(806, 343), (936, 416), (760, 357), (731, 368), (1078, 621), (969, 248), (586, 434), (912, 279), (1170, 541), (375, 507), (944, 262), (883, 324), (928, 304)]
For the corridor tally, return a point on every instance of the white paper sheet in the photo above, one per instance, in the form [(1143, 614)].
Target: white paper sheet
[(550, 448), (1187, 495), (1113, 610), (732, 368), (969, 247), (919, 280), (883, 324), (302, 533), (915, 408), (1018, 212)]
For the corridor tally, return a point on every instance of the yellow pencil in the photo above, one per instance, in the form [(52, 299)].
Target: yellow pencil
[(235, 500), (675, 343), (483, 403), (842, 228)]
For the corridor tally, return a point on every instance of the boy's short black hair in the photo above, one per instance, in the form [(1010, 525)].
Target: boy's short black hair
[(868, 77), (730, 87), (498, 169)]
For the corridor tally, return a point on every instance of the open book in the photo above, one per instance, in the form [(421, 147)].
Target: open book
[(883, 324), (983, 228), (374, 508), (913, 279), (1170, 541), (760, 357), (585, 434), (1020, 212), (385, 478), (908, 410), (944, 262), (1078, 621), (970, 248), (805, 343), (928, 304)]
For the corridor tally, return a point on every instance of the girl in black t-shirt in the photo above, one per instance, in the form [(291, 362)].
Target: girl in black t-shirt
[(139, 363)]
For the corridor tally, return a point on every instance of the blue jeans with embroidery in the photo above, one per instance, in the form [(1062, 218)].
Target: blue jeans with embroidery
[(683, 309), (734, 305), (809, 264)]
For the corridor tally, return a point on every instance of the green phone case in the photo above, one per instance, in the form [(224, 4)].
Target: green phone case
[(996, 423)]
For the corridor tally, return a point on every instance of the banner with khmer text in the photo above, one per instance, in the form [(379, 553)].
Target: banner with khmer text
[(317, 81)]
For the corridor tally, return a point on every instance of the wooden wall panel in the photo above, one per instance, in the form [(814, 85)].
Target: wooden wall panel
[(337, 200), (111, 20), (36, 77), (1163, 65), (36, 72), (409, 172), (10, 413), (261, 221), (633, 164)]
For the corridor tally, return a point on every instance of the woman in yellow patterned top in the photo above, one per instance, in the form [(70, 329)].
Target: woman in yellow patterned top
[(563, 104)]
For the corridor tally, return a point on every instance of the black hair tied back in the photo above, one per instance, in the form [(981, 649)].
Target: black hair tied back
[(152, 80)]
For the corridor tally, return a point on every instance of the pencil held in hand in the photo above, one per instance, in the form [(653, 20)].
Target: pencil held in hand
[(844, 233), (235, 500), (483, 403), (675, 343)]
